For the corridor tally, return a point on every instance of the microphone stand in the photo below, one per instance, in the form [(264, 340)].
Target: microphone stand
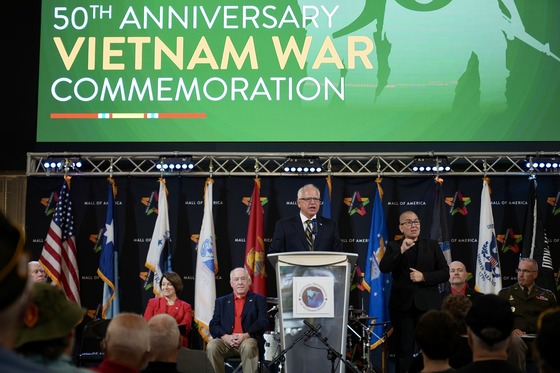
[(281, 356), (332, 354)]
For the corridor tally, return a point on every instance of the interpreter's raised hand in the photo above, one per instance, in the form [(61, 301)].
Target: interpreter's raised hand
[(406, 244)]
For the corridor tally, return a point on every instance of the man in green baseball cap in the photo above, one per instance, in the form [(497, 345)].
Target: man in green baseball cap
[(47, 334)]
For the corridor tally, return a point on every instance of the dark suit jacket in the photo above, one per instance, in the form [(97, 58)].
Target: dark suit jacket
[(289, 235), (254, 317), (429, 260)]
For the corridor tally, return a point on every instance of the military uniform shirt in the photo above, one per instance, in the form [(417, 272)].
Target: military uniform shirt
[(526, 309)]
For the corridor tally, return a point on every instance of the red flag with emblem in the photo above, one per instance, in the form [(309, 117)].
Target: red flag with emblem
[(255, 257)]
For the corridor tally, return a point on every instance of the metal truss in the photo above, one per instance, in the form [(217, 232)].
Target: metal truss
[(272, 164)]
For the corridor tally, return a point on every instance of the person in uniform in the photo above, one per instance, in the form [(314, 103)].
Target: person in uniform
[(527, 302)]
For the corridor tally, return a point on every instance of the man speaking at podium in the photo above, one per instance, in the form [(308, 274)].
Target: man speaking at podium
[(306, 231)]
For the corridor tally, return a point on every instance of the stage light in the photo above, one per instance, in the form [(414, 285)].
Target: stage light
[(543, 163), (175, 164), (431, 164), (303, 165), (62, 164)]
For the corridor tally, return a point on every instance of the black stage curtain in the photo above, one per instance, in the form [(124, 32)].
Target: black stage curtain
[(352, 203)]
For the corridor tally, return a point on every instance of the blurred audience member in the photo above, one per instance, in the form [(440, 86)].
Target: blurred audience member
[(36, 271), (489, 326), (126, 344), (171, 286), (457, 306), (165, 342), (437, 336), (15, 292), (47, 334), (546, 349)]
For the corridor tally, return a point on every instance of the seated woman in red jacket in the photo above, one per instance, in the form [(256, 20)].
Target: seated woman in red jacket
[(171, 285)]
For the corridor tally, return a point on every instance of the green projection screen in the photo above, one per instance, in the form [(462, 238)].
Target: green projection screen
[(299, 71)]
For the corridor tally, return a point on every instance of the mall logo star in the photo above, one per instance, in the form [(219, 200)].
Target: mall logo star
[(458, 203), (356, 204), (150, 203), (509, 241), (553, 201), (50, 203), (247, 202)]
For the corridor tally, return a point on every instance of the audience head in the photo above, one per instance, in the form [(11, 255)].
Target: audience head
[(49, 323), (457, 274), (36, 271), (309, 200), (547, 344), (527, 272), (437, 335), (165, 339), (127, 340), (15, 289), (457, 305), (240, 281), (174, 279), (490, 321)]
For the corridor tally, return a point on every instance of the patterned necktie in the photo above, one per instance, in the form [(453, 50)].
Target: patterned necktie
[(309, 234)]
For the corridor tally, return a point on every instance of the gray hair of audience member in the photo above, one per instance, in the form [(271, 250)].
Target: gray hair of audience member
[(437, 335), (127, 340), (165, 339), (457, 305)]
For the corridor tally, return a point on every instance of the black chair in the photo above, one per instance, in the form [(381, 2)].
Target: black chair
[(90, 352)]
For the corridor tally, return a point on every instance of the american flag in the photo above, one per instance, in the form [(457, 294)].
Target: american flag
[(59, 255)]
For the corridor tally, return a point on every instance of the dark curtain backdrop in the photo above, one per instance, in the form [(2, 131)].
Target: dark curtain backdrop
[(135, 219)]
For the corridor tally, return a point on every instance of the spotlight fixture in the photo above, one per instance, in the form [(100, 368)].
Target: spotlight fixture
[(62, 164), (303, 165), (543, 163), (175, 164), (431, 164)]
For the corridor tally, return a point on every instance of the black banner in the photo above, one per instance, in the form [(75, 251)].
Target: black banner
[(352, 202)]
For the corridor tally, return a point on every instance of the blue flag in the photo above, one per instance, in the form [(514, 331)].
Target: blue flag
[(439, 231), (378, 284), (108, 261), (326, 209)]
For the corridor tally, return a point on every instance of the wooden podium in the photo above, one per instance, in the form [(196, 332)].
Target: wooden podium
[(313, 296)]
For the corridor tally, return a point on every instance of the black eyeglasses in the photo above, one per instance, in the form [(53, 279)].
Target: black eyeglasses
[(524, 271), (311, 199), (410, 223)]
